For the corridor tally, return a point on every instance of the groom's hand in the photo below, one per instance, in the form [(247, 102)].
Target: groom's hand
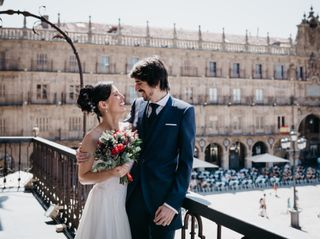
[(82, 156), (163, 216)]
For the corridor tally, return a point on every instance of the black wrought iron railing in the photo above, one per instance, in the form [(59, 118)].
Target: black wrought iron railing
[(55, 181)]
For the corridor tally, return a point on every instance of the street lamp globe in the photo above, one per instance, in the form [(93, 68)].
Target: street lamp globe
[(285, 143), (293, 135), (302, 143)]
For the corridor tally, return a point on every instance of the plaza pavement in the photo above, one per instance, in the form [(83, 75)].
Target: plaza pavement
[(245, 205)]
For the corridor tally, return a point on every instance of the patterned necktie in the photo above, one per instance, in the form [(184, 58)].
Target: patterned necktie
[(153, 114)]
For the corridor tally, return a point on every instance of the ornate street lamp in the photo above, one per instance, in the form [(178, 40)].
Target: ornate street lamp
[(293, 145), (63, 35)]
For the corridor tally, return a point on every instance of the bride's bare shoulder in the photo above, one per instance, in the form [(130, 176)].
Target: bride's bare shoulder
[(89, 141)]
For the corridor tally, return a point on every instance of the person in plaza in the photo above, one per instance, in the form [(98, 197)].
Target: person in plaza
[(166, 126), (104, 214), (263, 206), (275, 188)]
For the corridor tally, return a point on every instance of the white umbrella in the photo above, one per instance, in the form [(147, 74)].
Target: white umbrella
[(197, 163), (267, 158)]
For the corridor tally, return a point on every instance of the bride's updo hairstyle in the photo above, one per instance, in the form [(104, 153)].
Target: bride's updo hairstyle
[(90, 96)]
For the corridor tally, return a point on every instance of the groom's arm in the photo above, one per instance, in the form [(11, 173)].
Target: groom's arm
[(186, 150), (82, 156), (165, 213)]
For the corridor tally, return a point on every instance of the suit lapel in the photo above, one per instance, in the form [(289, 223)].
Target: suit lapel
[(140, 122), (154, 132)]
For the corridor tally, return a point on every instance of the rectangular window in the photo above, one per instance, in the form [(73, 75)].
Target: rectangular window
[(235, 73), (237, 123), (75, 124), (74, 91), (259, 95), (2, 61), (279, 72), (259, 122), (42, 123), (42, 91), (258, 71), (281, 121), (2, 90), (2, 126), (73, 61), (236, 95), (212, 69), (73, 65), (213, 95), (300, 73), (213, 124), (189, 94), (131, 62), (104, 64), (42, 59)]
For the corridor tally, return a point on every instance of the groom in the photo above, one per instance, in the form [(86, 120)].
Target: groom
[(161, 176)]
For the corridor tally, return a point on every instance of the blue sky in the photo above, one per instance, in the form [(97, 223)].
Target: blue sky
[(278, 17)]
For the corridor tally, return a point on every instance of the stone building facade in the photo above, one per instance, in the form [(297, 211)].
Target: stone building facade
[(247, 90)]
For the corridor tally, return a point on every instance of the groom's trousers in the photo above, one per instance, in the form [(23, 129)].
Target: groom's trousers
[(141, 221)]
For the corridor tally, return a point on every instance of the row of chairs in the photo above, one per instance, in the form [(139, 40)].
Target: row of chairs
[(224, 180)]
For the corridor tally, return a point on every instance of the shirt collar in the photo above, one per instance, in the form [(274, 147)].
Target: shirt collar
[(163, 101)]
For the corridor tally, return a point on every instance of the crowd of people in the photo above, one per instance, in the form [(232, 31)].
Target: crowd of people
[(230, 179)]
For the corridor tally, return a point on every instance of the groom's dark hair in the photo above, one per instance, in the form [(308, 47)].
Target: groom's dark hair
[(153, 71)]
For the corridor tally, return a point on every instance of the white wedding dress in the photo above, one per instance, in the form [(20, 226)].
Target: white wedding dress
[(104, 215)]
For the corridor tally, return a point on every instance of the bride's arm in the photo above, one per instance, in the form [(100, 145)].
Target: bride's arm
[(85, 174)]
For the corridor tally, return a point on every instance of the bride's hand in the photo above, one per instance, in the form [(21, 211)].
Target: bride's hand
[(121, 171)]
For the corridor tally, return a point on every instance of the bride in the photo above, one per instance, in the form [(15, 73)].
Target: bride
[(104, 214)]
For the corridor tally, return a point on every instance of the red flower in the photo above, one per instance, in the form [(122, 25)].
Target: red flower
[(120, 148), (115, 151)]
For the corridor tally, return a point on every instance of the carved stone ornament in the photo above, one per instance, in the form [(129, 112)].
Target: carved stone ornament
[(249, 141), (315, 79), (202, 142), (271, 140)]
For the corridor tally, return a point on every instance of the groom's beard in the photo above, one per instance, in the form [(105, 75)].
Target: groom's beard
[(146, 96)]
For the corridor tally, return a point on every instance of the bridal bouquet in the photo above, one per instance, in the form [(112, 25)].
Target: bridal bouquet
[(117, 147)]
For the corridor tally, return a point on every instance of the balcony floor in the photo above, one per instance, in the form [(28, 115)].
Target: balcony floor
[(21, 215)]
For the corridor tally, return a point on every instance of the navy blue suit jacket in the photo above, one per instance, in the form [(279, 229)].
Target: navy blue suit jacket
[(164, 167)]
